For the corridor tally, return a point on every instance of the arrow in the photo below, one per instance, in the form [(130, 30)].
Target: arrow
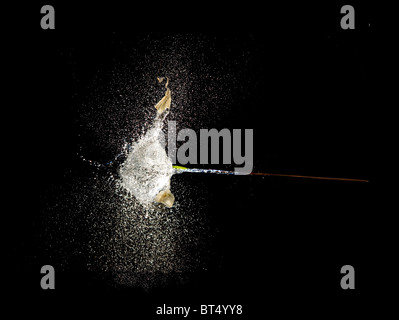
[(179, 169)]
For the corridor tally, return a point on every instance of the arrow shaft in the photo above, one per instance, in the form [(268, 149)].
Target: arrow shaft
[(195, 170)]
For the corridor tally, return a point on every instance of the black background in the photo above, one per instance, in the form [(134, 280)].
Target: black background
[(282, 242)]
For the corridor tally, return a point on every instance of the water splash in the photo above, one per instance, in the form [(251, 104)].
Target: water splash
[(147, 170)]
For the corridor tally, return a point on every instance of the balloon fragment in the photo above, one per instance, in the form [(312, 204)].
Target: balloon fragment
[(164, 103), (165, 197)]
